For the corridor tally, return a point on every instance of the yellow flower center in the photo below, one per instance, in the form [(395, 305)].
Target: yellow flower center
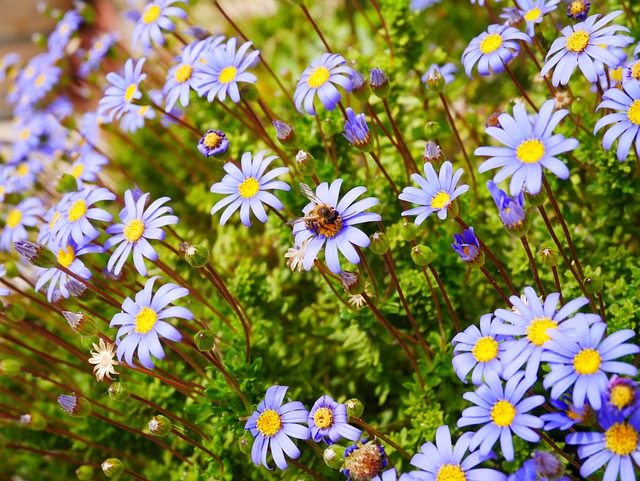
[(577, 7), (143, 110), (571, 414), (54, 219), (441, 199), (533, 14), (318, 77), (451, 472), (616, 75), (40, 80), (537, 330), (227, 74), (485, 349), (145, 320), (78, 210), (635, 70), (587, 362), (269, 423), (212, 140), (66, 256), (29, 72), (24, 134), (249, 188), (503, 413), (323, 418), (622, 395), (65, 29), (22, 170), (14, 218), (151, 14), (577, 41), (621, 439), (634, 112), (77, 170), (98, 45), (530, 151), (130, 92), (133, 230), (183, 73), (490, 43)]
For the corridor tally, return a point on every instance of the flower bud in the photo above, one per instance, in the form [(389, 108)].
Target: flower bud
[(196, 255), (435, 81), (285, 134), (379, 83), (352, 282), (305, 163), (34, 421), (245, 442), (203, 340), (85, 473), (36, 254), (75, 405), (160, 426), (249, 91), (355, 408), (79, 290), (112, 467), (9, 367), (548, 257), (214, 144), (537, 199), (468, 248), (453, 209), (432, 130), (409, 231), (81, 323), (334, 456), (433, 154), (360, 87), (493, 120), (547, 465), (422, 255), (364, 460), (330, 127), (119, 392), (578, 107), (593, 284), (67, 183), (14, 312), (379, 243), (87, 342)]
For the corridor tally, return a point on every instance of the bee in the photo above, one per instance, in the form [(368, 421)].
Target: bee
[(322, 218)]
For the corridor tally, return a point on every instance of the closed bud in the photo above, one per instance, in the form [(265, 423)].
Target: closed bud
[(112, 467), (379, 83), (547, 465), (67, 183), (36, 254), (549, 257), (191, 476), (453, 208), (433, 154), (87, 342), (355, 408), (305, 163), (249, 91), (9, 367), (330, 127), (160, 426), (34, 421), (432, 130), (422, 255), (75, 405), (435, 81), (246, 442), (79, 290), (360, 87), (81, 323), (12, 269), (203, 340), (409, 231), (196, 255), (14, 312), (364, 460), (285, 134), (334, 456), (593, 284), (578, 107), (379, 243), (352, 282), (84, 473), (537, 199), (119, 392)]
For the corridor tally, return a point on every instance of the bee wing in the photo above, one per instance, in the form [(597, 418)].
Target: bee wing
[(295, 221), (309, 193)]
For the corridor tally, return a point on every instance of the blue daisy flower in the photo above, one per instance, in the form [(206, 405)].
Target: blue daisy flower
[(135, 118), (319, 79), (7, 64), (617, 447), (118, 98), (533, 322), (493, 49), (87, 167), (626, 119), (67, 256), (447, 71), (59, 38), (138, 225), (503, 413), (621, 398), (567, 415), (341, 233), (329, 422), (435, 193), (25, 214), (246, 188), (273, 424), (46, 235), (580, 45), (142, 322), (213, 143), (528, 472), (530, 145), (533, 12), (356, 130), (97, 52), (581, 357), (631, 71), (478, 349), (223, 69), (512, 212), (578, 9), (155, 19), (443, 460)]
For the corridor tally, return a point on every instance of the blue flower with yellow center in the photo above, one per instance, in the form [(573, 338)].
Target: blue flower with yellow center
[(622, 397), (119, 97), (87, 166), (528, 472), (25, 214), (319, 79), (155, 19), (567, 415), (59, 38), (503, 412), (142, 322), (273, 424), (329, 422), (97, 52), (626, 119)]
